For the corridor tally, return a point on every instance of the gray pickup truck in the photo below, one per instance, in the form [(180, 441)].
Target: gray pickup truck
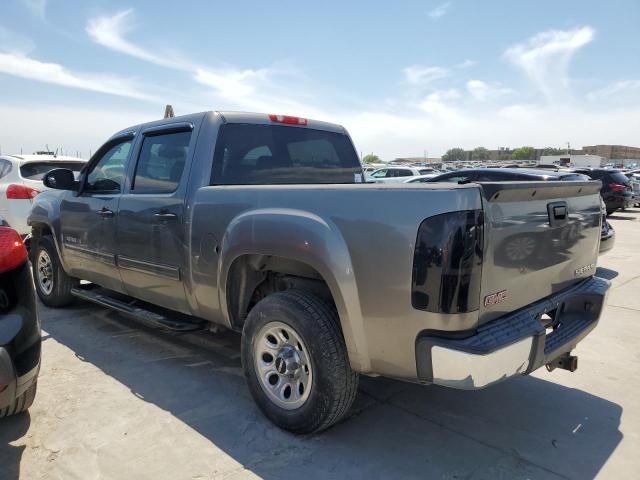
[(263, 224)]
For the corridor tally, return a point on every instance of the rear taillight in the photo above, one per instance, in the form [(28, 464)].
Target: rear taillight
[(21, 192), (288, 120), (447, 263), (616, 187), (12, 250)]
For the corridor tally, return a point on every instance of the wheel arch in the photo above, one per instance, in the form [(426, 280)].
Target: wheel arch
[(304, 250)]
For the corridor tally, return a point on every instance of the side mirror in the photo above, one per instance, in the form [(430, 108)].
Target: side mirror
[(60, 179)]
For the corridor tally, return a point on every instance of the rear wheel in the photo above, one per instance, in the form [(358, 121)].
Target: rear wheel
[(296, 363), (22, 403), (52, 283)]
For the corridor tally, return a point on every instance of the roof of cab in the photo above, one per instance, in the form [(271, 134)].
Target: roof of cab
[(235, 117)]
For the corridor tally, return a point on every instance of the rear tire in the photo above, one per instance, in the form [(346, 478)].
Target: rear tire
[(610, 212), (313, 343), (22, 403), (52, 282)]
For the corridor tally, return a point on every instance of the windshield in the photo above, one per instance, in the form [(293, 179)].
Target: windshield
[(249, 154), (36, 170)]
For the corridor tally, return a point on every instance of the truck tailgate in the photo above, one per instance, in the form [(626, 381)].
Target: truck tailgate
[(540, 238)]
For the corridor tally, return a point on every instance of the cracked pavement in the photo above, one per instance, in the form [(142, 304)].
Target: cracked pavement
[(119, 400)]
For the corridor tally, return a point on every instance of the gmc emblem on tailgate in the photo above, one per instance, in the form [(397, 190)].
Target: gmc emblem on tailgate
[(495, 298)]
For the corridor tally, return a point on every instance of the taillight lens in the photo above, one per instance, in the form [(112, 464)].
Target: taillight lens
[(12, 250), (288, 119), (21, 192), (616, 187), (447, 263)]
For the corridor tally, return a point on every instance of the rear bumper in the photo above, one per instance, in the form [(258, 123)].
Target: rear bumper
[(20, 337), (619, 201), (514, 344)]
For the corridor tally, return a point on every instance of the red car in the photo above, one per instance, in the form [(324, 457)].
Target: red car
[(20, 339)]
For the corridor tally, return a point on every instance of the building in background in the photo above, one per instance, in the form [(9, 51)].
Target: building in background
[(581, 161)]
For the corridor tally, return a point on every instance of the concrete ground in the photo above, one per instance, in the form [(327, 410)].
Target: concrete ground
[(117, 400)]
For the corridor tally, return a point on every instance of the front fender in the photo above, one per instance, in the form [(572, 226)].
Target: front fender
[(45, 211), (307, 238)]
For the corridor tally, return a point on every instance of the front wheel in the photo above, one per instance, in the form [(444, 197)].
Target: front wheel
[(296, 363), (52, 282)]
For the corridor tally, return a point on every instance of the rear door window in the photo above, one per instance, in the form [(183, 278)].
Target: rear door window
[(161, 163), (248, 154)]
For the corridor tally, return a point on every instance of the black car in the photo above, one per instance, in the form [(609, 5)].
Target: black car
[(616, 190), (607, 236), (503, 175), (20, 340)]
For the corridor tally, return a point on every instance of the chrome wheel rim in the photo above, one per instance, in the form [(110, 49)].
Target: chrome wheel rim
[(45, 272), (283, 365)]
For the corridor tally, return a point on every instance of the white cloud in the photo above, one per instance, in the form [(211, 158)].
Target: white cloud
[(483, 91), (402, 134), (440, 11), (72, 129), (545, 58), (19, 65), (110, 31), (622, 88), (230, 87), (423, 75), (467, 63), (437, 104), (37, 7)]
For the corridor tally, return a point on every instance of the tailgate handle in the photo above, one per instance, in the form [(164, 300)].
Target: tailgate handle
[(558, 213)]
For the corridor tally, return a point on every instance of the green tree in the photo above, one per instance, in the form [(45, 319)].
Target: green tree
[(480, 153), (454, 155), (554, 151), (524, 153), (371, 158)]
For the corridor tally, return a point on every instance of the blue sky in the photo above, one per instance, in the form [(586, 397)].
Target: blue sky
[(403, 77)]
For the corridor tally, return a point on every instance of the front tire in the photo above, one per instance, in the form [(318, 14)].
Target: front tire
[(52, 282), (296, 363), (22, 403)]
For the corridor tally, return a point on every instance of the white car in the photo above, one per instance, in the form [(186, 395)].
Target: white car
[(421, 178), (396, 173), (21, 180)]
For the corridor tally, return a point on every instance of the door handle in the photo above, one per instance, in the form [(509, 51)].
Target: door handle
[(105, 213), (161, 215)]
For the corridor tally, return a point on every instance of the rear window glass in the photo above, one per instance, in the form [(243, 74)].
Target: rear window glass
[(37, 170), (273, 154), (619, 178)]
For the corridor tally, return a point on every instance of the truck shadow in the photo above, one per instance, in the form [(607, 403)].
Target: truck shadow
[(523, 428), (11, 429)]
